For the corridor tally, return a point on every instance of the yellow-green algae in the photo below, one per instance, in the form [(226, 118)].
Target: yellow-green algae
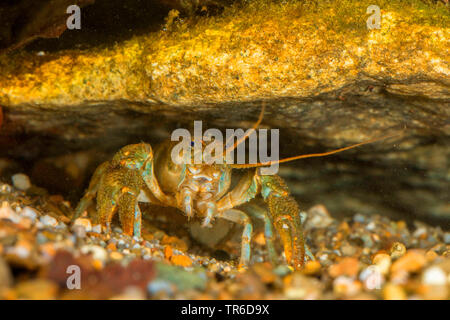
[(260, 50)]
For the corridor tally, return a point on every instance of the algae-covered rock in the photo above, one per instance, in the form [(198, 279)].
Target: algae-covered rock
[(327, 81)]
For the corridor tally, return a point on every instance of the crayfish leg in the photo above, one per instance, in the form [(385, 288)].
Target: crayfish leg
[(92, 190), (242, 218), (269, 236)]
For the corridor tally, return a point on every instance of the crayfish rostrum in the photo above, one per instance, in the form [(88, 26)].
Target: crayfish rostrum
[(202, 190)]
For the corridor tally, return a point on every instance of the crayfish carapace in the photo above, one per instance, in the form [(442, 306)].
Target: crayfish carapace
[(202, 190)]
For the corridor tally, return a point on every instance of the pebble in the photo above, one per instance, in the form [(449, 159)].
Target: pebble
[(264, 272), (420, 232), (372, 278), (347, 266), (111, 246), (434, 276), (5, 188), (21, 181), (348, 250), (29, 213), (302, 287), (160, 286), (412, 261), (319, 217), (312, 267), (447, 238), (431, 255), (121, 244), (98, 253), (116, 255), (25, 223), (48, 221), (41, 238), (346, 286), (97, 228), (83, 222), (393, 292), (371, 226), (22, 249), (383, 262), (6, 212), (282, 270), (61, 226), (397, 250), (359, 218)]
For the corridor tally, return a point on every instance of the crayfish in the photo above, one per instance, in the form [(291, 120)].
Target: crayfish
[(202, 190)]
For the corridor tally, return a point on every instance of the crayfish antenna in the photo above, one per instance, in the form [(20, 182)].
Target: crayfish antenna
[(247, 134), (312, 155)]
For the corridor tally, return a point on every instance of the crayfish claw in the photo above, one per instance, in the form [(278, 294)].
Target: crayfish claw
[(284, 215)]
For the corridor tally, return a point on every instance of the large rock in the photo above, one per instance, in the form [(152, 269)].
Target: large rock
[(326, 79)]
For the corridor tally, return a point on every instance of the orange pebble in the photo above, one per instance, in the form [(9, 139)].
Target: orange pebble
[(311, 267), (181, 260), (175, 242), (168, 252), (412, 261), (111, 246), (97, 264), (347, 266)]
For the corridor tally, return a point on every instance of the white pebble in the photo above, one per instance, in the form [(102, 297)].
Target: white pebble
[(447, 238), (83, 222), (21, 181), (98, 253), (97, 228), (157, 286), (29, 213), (5, 188), (434, 276), (6, 212), (49, 221), (372, 278), (20, 251)]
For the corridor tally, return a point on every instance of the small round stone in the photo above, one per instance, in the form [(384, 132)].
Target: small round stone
[(49, 221), (372, 278), (398, 249), (6, 212), (434, 276), (21, 181), (160, 286), (97, 228), (29, 213), (383, 262), (98, 253), (83, 222), (447, 238)]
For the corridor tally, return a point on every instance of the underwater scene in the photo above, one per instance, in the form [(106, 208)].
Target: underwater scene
[(225, 150)]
